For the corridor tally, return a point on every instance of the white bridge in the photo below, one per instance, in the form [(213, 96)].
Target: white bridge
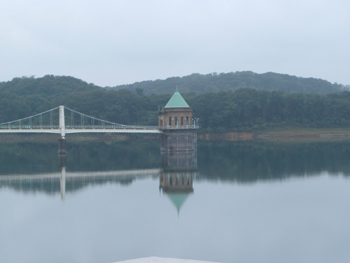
[(54, 121)]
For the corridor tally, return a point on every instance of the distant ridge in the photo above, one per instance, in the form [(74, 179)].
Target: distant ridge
[(214, 82)]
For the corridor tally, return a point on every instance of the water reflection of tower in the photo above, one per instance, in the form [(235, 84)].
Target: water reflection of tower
[(178, 150), (176, 178), (178, 171)]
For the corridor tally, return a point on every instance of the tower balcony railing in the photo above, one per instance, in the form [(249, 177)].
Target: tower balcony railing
[(179, 127)]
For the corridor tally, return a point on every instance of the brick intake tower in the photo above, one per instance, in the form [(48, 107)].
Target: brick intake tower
[(179, 127)]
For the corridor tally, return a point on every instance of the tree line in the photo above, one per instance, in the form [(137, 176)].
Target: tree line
[(249, 109), (241, 110), (214, 82)]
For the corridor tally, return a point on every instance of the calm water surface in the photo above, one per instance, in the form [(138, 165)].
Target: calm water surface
[(245, 202)]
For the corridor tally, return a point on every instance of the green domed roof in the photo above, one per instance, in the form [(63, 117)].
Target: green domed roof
[(176, 101)]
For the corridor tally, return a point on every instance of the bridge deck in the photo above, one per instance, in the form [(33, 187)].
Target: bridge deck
[(70, 131)]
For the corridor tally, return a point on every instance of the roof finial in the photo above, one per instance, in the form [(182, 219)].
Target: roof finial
[(177, 89)]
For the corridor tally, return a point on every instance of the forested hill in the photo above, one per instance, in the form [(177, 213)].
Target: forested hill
[(49, 86), (24, 96), (245, 109), (233, 81)]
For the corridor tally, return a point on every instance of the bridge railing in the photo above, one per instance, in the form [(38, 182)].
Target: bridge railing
[(28, 127), (70, 127), (111, 127)]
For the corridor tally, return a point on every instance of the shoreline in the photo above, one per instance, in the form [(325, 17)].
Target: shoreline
[(271, 135), (280, 135)]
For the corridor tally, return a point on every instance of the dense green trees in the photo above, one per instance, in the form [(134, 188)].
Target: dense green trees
[(243, 109), (252, 109), (48, 86), (233, 81)]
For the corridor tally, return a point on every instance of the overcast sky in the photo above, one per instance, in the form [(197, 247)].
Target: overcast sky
[(113, 42)]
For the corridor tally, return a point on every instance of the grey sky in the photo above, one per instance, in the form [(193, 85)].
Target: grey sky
[(114, 42)]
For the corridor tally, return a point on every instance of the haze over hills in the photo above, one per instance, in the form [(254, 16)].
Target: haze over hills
[(214, 82)]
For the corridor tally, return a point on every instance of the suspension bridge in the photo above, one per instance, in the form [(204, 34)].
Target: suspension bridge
[(62, 120)]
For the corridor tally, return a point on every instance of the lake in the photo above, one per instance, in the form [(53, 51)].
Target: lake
[(252, 201)]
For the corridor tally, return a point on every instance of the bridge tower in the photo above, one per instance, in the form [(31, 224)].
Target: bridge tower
[(178, 125), (62, 127)]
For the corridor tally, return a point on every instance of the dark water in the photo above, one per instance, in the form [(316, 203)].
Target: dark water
[(229, 202)]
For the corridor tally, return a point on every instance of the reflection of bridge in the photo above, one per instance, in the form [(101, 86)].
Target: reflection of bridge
[(176, 176), (54, 121), (76, 179)]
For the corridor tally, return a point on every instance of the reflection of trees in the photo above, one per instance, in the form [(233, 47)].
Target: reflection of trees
[(33, 158), (231, 161), (52, 186), (258, 160)]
